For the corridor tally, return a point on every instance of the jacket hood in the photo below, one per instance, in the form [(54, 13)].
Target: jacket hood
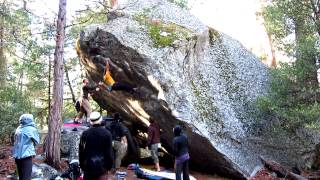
[(26, 119), (177, 130)]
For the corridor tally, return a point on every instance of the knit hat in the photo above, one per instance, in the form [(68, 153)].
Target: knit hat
[(26, 119), (95, 118)]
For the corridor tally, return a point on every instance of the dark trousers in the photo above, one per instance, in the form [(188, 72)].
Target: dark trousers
[(24, 167), (87, 176), (119, 86), (184, 168)]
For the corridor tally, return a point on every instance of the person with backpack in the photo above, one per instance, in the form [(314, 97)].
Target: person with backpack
[(95, 150), (85, 108), (79, 109), (119, 139), (25, 139), (154, 141), (181, 153)]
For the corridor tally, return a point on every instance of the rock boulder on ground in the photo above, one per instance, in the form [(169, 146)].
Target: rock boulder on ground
[(186, 73)]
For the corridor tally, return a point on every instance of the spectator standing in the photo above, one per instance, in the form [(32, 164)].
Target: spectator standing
[(154, 142), (119, 140), (95, 150), (25, 139), (181, 153)]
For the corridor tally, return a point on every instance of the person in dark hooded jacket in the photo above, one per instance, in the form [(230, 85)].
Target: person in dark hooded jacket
[(26, 137), (181, 153)]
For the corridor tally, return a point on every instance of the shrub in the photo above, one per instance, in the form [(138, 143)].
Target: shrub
[(13, 103), (293, 99)]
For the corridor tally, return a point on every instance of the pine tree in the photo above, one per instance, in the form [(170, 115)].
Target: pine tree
[(55, 118)]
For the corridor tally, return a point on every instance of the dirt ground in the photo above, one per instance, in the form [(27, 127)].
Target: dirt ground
[(8, 167)]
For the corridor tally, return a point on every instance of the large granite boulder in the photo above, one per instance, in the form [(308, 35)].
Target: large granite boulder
[(188, 74)]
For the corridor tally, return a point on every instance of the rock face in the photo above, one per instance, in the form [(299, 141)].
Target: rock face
[(70, 139), (187, 74), (43, 171)]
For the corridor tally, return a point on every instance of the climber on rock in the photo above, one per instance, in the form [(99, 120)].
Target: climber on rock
[(113, 85)]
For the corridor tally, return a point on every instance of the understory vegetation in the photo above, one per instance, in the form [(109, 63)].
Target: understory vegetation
[(26, 62), (293, 99), (293, 95)]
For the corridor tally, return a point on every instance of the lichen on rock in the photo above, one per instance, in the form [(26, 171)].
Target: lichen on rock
[(162, 34)]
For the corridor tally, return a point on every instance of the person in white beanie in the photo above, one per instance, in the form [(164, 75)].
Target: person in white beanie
[(95, 150)]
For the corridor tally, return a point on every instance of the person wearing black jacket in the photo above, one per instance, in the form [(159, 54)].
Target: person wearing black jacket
[(95, 150), (119, 139), (181, 153)]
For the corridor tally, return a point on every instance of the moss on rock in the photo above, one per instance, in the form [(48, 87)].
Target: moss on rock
[(214, 36), (162, 34)]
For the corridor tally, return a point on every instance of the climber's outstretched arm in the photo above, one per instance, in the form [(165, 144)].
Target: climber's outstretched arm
[(107, 65)]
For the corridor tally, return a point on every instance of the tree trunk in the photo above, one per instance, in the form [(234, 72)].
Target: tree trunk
[(273, 52), (20, 84), (281, 171), (49, 91), (3, 61), (315, 5), (53, 140), (69, 84)]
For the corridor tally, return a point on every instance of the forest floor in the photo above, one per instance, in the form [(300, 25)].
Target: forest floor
[(8, 167)]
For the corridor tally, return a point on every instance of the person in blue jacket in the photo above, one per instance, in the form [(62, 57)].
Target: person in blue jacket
[(25, 139)]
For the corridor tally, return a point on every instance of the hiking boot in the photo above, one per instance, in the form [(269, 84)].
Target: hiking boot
[(77, 121)]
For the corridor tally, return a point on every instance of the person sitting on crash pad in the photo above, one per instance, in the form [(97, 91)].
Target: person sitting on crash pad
[(111, 83)]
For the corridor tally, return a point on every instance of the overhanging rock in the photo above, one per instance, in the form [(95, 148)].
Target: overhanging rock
[(186, 74)]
